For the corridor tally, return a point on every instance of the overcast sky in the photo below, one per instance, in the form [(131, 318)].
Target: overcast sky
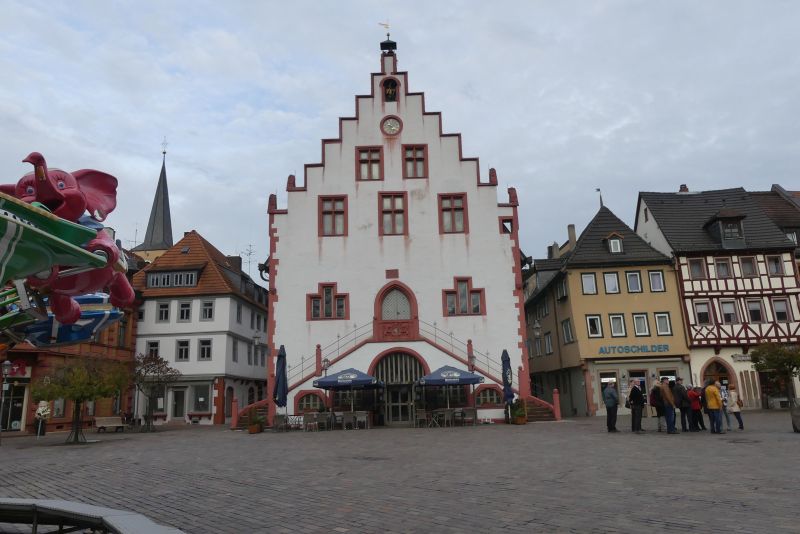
[(559, 97)]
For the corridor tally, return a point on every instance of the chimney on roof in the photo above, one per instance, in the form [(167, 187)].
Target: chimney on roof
[(571, 233), (683, 189), (236, 262)]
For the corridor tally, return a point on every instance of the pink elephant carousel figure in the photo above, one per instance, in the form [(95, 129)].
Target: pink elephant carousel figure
[(69, 195)]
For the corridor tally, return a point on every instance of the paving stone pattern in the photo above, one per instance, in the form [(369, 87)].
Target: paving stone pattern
[(570, 476)]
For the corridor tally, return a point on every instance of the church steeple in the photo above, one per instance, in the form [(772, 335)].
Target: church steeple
[(158, 237)]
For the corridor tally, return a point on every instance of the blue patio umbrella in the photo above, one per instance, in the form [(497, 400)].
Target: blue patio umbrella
[(281, 389), (508, 392), (450, 376), (349, 379)]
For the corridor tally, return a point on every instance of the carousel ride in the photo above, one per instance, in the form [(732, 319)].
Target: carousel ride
[(62, 276)]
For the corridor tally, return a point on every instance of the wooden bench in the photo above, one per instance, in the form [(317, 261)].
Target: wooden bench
[(104, 423)]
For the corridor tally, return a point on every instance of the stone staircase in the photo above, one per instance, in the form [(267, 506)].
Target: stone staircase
[(537, 412), (244, 418)]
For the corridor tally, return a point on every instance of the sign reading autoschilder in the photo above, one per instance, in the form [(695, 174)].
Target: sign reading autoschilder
[(633, 349)]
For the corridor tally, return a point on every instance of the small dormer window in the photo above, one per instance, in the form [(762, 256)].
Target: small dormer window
[(732, 229), (390, 90), (615, 245)]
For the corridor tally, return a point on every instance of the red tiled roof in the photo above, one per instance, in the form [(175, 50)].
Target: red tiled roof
[(200, 255)]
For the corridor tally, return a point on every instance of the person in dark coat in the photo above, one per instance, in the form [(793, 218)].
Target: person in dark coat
[(636, 401), (682, 403), (658, 404), (611, 400)]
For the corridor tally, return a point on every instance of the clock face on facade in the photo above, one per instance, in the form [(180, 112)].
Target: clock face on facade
[(391, 126)]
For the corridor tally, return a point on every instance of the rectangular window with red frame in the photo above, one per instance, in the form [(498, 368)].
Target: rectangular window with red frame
[(369, 163), (415, 161), (327, 303), (453, 213), (463, 299), (394, 213), (333, 215)]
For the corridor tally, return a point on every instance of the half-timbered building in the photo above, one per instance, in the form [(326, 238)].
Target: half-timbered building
[(737, 277)]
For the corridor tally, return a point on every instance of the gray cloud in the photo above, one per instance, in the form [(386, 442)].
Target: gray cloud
[(559, 97)]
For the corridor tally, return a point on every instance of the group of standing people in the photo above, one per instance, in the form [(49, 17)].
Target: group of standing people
[(670, 396)]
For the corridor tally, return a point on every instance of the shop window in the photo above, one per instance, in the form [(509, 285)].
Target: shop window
[(90, 408), (202, 402), (58, 408), (607, 379), (463, 299), (393, 213), (333, 215), (370, 163), (415, 161), (453, 214), (327, 304)]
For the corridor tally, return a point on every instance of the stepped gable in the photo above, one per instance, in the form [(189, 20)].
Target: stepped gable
[(217, 274), (592, 246), (682, 217)]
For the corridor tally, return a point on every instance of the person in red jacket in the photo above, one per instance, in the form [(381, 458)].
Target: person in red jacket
[(696, 423)]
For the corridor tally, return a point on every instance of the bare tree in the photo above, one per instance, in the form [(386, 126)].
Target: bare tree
[(152, 374)]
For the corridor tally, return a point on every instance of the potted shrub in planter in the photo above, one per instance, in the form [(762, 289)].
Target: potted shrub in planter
[(255, 423), (519, 415)]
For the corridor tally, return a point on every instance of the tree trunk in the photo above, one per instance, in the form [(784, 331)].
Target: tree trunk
[(150, 409), (76, 436)]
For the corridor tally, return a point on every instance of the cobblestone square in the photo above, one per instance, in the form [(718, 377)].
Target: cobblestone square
[(569, 476)]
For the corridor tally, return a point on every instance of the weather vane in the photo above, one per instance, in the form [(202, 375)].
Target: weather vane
[(386, 27), (164, 145)]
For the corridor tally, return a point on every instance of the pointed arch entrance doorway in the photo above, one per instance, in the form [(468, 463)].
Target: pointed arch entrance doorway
[(399, 369)]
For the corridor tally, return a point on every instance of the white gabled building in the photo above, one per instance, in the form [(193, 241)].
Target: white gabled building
[(395, 258), (208, 319)]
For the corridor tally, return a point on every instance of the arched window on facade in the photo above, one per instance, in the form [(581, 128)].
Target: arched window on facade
[(716, 371), (309, 403), (395, 306), (390, 90), (488, 396)]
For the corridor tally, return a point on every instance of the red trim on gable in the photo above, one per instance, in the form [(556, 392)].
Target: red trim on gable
[(320, 200), (292, 186), (465, 210), (383, 194), (371, 148), (470, 291), (516, 255), (404, 350), (506, 220), (319, 295), (272, 298)]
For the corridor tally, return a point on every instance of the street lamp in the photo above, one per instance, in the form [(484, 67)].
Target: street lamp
[(326, 363), (6, 371)]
